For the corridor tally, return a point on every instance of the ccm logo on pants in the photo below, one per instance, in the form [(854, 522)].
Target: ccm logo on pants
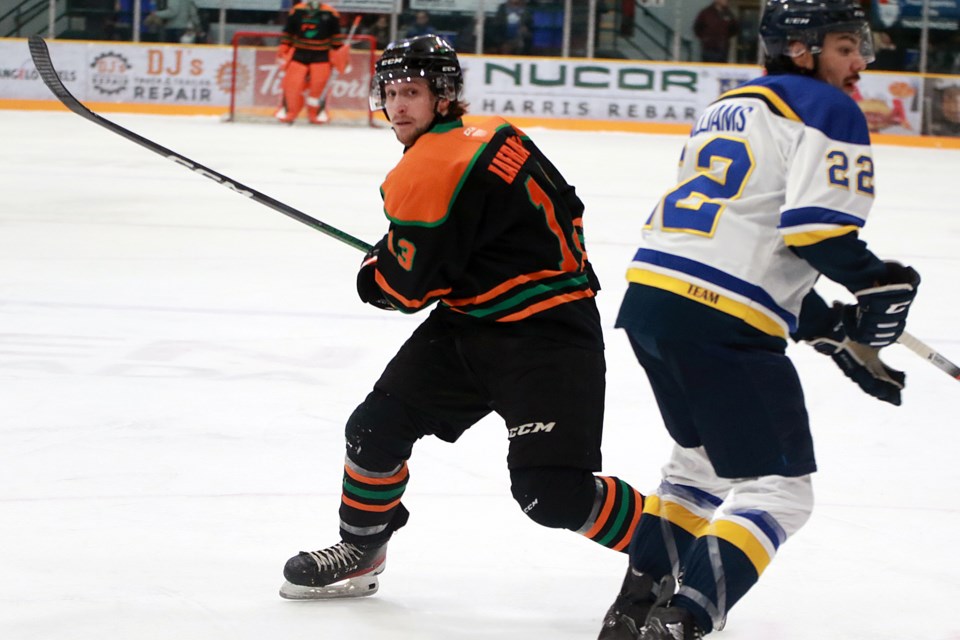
[(532, 427)]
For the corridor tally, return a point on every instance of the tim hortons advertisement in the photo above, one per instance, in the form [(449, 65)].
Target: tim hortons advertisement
[(259, 76)]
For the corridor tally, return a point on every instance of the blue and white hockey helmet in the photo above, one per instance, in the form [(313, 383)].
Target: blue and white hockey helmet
[(808, 21)]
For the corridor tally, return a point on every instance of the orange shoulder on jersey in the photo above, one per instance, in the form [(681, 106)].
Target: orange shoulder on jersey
[(422, 187), (321, 7)]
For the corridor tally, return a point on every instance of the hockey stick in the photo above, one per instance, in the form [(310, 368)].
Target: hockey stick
[(335, 72), (927, 353), (41, 59)]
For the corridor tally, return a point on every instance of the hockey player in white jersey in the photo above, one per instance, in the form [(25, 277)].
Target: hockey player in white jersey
[(775, 182)]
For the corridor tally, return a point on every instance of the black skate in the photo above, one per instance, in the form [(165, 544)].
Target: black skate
[(671, 623), (627, 614), (344, 570), (666, 622)]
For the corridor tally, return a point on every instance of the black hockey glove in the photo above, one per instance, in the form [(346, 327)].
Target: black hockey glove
[(880, 314), (367, 287), (861, 363)]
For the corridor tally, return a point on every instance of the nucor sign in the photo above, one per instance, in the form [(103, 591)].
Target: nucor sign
[(589, 76)]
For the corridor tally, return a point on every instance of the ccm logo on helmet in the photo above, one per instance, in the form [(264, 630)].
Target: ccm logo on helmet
[(532, 427)]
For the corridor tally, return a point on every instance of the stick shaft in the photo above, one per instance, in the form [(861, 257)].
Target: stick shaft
[(928, 353)]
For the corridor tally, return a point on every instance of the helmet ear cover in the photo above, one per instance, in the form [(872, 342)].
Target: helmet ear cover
[(428, 57), (808, 22)]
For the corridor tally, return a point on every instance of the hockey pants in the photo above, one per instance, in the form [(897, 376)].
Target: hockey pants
[(299, 76), (380, 436)]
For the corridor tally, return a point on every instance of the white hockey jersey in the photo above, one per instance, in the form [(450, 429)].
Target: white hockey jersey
[(781, 161)]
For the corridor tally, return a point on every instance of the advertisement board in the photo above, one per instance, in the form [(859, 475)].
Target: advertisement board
[(157, 74), (941, 115), (596, 90), (455, 6), (618, 93), (891, 102), (259, 80), (122, 73)]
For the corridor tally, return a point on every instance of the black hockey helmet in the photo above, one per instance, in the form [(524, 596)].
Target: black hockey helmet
[(808, 21), (429, 57)]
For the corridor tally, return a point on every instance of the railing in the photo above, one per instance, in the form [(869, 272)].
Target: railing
[(72, 19), (25, 19), (645, 36)]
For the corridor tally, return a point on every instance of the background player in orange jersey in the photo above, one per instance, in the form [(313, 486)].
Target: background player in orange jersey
[(312, 40), (483, 225)]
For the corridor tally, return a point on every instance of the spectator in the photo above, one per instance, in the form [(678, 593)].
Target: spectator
[(511, 28), (121, 28), (714, 26), (421, 26), (178, 17), (380, 30), (888, 57)]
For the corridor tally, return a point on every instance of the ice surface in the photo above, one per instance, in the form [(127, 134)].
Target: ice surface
[(177, 362)]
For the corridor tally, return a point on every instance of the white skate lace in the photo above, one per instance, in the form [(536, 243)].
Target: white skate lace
[(339, 555)]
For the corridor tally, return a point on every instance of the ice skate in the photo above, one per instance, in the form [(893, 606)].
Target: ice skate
[(320, 118), (283, 117), (670, 623), (344, 570), (666, 622), (627, 614)]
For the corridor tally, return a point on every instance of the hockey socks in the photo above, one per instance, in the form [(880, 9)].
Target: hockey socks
[(370, 508), (615, 514)]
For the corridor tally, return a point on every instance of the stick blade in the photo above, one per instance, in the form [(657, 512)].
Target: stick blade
[(41, 60)]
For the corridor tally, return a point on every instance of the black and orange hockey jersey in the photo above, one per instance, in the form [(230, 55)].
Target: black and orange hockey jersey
[(482, 223), (312, 30)]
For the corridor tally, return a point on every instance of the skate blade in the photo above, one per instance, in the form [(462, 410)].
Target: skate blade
[(358, 587)]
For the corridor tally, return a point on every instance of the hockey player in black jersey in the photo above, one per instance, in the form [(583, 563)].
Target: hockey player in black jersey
[(775, 182), (483, 228)]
